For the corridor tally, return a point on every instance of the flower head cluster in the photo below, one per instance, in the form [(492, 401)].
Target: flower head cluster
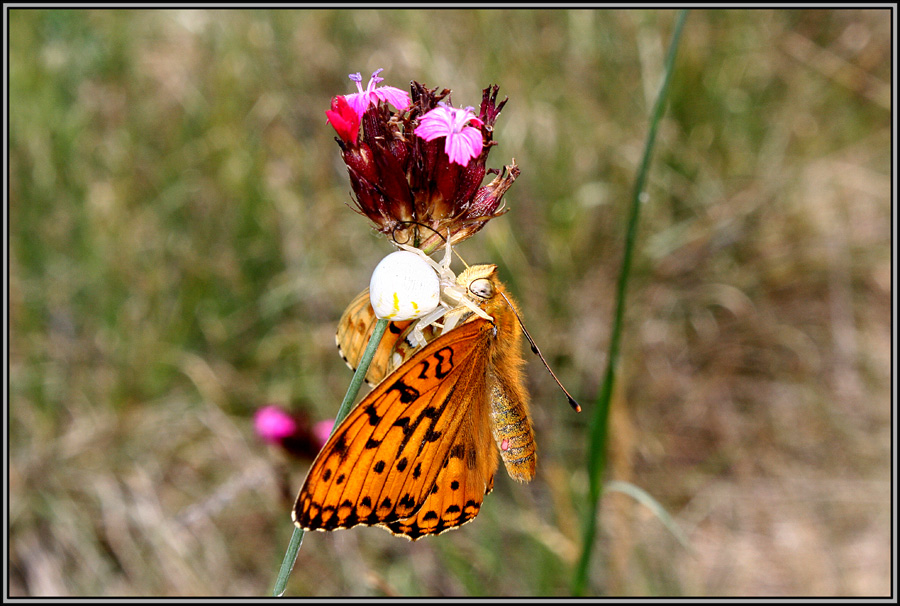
[(416, 170)]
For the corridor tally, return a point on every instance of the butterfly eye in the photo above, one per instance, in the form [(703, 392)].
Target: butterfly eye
[(404, 287), (481, 288)]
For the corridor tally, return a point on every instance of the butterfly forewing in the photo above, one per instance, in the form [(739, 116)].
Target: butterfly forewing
[(466, 476), (383, 460)]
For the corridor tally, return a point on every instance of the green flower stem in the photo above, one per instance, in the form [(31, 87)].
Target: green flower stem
[(598, 429), (290, 557)]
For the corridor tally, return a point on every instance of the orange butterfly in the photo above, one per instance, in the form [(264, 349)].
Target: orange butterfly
[(415, 455)]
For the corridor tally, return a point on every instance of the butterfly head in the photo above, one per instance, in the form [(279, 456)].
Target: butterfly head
[(483, 286), (480, 282)]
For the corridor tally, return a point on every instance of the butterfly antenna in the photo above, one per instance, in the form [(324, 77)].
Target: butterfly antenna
[(575, 406)]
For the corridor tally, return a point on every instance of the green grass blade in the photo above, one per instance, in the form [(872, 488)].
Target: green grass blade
[(287, 565), (293, 549), (641, 496), (599, 420), (360, 374)]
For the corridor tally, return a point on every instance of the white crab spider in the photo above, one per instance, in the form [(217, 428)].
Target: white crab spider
[(410, 285), (404, 287)]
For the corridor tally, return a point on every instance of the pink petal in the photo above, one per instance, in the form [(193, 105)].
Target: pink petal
[(432, 130), (396, 97), (359, 102), (462, 147), (463, 142), (436, 123), (344, 119)]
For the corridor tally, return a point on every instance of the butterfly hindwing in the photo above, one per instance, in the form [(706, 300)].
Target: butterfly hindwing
[(356, 327), (384, 459), (354, 330)]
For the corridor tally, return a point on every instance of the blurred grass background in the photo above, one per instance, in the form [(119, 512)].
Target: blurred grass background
[(181, 249)]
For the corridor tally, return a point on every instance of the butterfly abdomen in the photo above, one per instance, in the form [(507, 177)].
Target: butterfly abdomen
[(507, 396), (511, 428)]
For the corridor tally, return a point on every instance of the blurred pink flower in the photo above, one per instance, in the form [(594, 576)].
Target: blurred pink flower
[(273, 424), (361, 101), (322, 430), (294, 432), (463, 142)]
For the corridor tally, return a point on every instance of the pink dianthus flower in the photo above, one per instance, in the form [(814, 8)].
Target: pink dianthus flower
[(463, 142)]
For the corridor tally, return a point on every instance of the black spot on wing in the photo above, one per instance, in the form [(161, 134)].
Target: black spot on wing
[(374, 419), (407, 502), (340, 445), (425, 367), (371, 519), (445, 362), (330, 520), (403, 423), (407, 393)]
